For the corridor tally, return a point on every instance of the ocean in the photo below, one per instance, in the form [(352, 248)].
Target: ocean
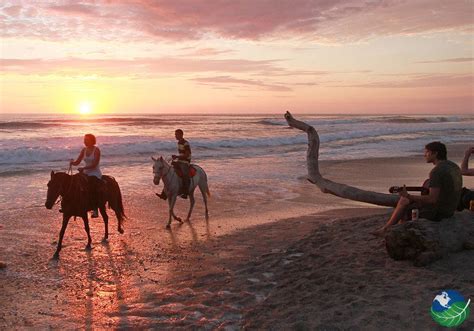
[(238, 152)]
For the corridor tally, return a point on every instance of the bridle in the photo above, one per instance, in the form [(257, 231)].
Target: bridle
[(63, 193), (162, 174)]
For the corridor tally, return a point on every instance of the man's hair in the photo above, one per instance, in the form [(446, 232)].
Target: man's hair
[(439, 148), (92, 137), (179, 131)]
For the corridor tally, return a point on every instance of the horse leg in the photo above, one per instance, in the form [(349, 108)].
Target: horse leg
[(191, 205), (105, 217), (88, 231), (171, 203), (120, 228), (61, 235), (176, 218), (117, 206), (203, 188)]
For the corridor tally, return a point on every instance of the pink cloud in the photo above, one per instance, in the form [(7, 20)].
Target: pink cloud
[(227, 80), (75, 9), (12, 10), (205, 52), (454, 60), (421, 81), (332, 20), (141, 67)]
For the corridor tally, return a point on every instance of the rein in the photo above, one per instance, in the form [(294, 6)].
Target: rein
[(61, 193), (162, 174)]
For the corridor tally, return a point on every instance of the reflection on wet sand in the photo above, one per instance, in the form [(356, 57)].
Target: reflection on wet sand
[(116, 275), (89, 311), (98, 298)]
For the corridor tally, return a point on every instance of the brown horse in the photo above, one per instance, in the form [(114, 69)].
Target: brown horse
[(73, 190)]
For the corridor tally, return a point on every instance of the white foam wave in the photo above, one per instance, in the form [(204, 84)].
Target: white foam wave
[(341, 137), (63, 149)]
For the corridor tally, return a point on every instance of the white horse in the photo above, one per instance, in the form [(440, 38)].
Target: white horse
[(164, 171)]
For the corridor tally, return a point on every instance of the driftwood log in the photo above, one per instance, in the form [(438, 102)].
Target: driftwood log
[(422, 241), (328, 186)]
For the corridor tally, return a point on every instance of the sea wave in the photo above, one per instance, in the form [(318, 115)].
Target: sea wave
[(412, 119), (61, 123), (26, 125), (129, 146), (272, 122)]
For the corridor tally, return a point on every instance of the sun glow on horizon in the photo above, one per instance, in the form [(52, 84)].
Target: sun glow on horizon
[(85, 108)]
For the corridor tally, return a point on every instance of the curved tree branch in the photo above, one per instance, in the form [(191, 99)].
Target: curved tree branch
[(328, 186)]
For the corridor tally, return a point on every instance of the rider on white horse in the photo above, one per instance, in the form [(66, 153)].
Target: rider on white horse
[(182, 162)]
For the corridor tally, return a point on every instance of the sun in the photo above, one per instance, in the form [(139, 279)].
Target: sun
[(85, 108)]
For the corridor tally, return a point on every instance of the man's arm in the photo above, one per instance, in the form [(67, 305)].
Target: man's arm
[(465, 163), (186, 155), (429, 199)]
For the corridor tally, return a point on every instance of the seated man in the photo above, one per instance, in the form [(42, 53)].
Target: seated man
[(465, 163), (444, 190)]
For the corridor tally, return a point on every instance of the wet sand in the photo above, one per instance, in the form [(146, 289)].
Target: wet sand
[(301, 263)]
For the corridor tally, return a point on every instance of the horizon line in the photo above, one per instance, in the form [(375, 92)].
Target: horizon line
[(237, 114)]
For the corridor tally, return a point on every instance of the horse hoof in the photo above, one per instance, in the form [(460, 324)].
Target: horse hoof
[(121, 230), (56, 256), (188, 220), (105, 240), (179, 219), (88, 248), (168, 226)]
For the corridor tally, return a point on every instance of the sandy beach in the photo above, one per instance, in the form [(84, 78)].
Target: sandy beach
[(306, 262), (129, 93)]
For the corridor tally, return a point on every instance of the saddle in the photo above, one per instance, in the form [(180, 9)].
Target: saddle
[(85, 186), (192, 172)]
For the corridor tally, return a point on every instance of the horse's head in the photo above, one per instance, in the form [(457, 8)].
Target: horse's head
[(55, 188), (159, 166)]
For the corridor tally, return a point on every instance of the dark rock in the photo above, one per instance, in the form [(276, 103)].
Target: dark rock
[(425, 241)]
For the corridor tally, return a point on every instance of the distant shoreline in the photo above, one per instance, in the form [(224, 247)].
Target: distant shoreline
[(238, 114)]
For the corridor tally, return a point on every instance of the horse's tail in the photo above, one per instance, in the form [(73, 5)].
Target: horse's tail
[(115, 199), (207, 191)]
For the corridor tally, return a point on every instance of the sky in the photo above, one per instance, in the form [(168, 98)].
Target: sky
[(231, 56)]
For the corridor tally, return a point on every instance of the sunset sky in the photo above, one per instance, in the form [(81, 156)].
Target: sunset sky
[(253, 56)]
